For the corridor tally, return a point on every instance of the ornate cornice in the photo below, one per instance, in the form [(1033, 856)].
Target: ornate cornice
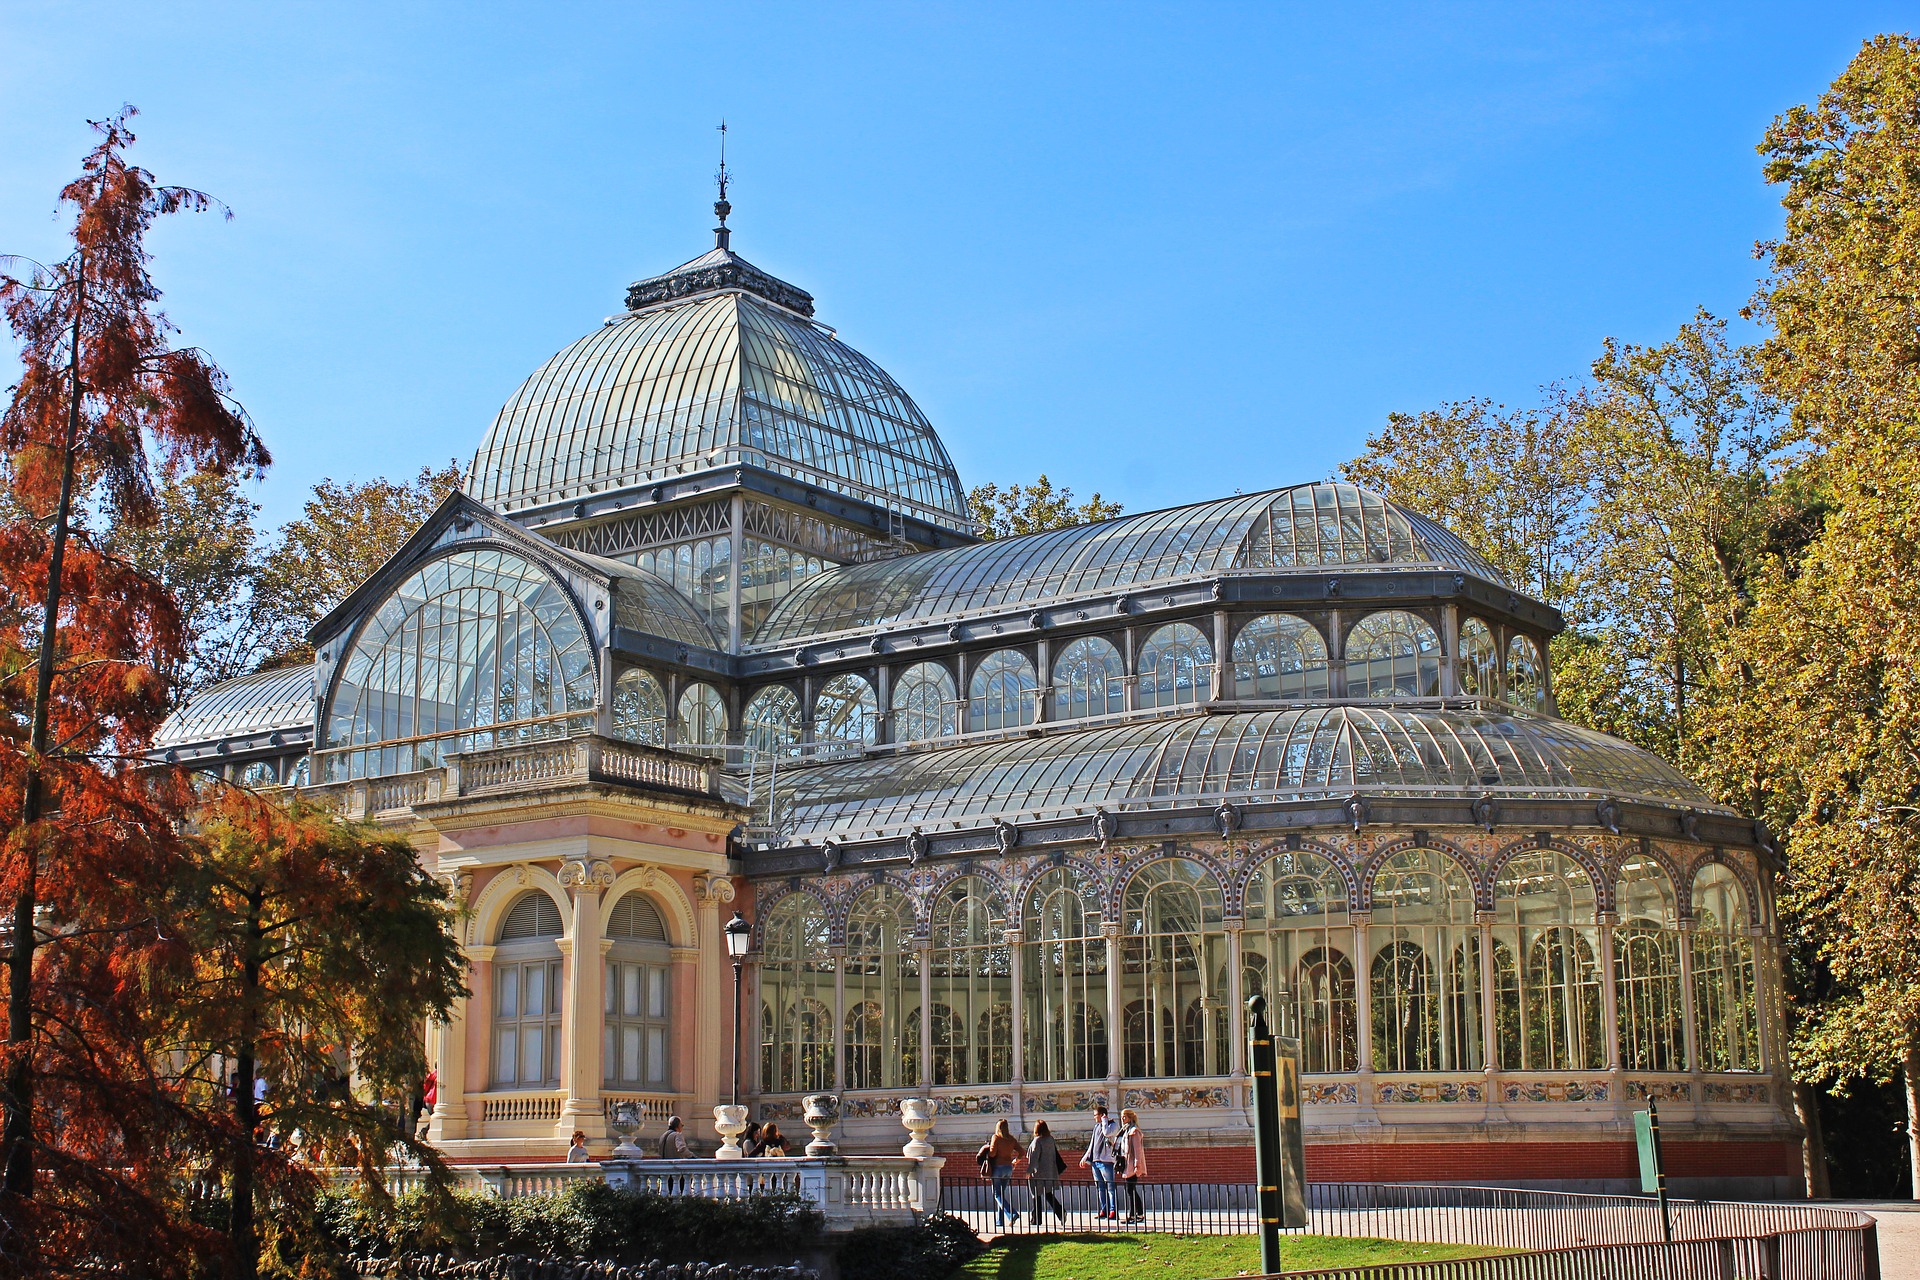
[(729, 273)]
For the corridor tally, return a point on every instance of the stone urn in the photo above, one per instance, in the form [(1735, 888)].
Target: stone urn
[(917, 1115), (729, 1122), (626, 1123), (821, 1111)]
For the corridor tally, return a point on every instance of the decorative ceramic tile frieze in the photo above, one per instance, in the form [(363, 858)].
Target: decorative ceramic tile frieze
[(1659, 1090), (976, 1104), (1553, 1090), (780, 1110), (1329, 1092), (1430, 1091), (1175, 1099), (1747, 1092), (857, 1108), (1076, 1100)]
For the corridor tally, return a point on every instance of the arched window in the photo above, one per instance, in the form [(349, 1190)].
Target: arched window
[(846, 715), (1479, 660), (773, 722), (1280, 656), (1546, 972), (1065, 976), (883, 989), (925, 703), (639, 708), (703, 719), (1002, 693), (1176, 667), (302, 772), (635, 1052), (1425, 969), (1296, 951), (1171, 947), (1088, 680), (1646, 969), (1726, 1001), (256, 773), (700, 571), (527, 995), (477, 649), (1526, 681), (1393, 654), (972, 973), (796, 982)]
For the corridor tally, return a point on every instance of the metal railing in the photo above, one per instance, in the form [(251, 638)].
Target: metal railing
[(1840, 1254), (1496, 1217)]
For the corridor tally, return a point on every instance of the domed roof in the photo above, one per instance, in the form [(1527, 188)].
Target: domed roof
[(718, 364), (1309, 526)]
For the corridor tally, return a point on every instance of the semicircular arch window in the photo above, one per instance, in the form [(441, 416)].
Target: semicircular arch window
[(1393, 654), (639, 708), (773, 722), (846, 715), (1280, 656), (1297, 951), (1065, 978), (1176, 667), (702, 718), (926, 704), (1004, 691), (1479, 660), (476, 649), (1088, 680), (1526, 683)]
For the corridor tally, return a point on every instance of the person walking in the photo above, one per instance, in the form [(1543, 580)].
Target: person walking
[(1002, 1151), (1133, 1162), (1098, 1157), (577, 1150), (673, 1143), (1045, 1167)]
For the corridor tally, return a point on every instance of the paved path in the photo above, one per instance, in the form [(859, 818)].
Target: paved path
[(1899, 1234)]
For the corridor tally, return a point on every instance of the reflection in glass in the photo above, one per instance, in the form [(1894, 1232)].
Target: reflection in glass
[(1280, 656), (1088, 680), (1726, 1003), (846, 715), (925, 703), (1425, 969), (1003, 692), (1479, 660), (972, 972), (772, 722), (1646, 969), (1546, 972), (1172, 946), (1295, 952), (703, 718), (796, 986), (1525, 685), (639, 708), (1176, 667), (1065, 976), (1393, 654)]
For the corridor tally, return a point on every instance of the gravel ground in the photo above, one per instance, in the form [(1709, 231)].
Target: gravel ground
[(1899, 1234)]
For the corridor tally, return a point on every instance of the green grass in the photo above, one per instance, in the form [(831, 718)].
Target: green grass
[(1158, 1257)]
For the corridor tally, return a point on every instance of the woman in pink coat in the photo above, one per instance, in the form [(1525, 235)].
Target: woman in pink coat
[(1133, 1144)]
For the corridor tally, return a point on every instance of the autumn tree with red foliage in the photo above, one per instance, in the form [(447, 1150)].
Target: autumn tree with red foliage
[(102, 400)]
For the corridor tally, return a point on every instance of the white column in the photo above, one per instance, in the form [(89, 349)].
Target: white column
[(839, 955), (1489, 1050), (1116, 1016), (926, 1013), (1609, 993), (1219, 687), (1689, 1031), (1017, 974), (1363, 992), (738, 533)]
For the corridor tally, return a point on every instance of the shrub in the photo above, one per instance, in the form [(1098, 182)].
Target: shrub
[(928, 1250)]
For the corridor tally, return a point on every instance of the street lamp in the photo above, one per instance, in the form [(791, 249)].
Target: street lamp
[(739, 942)]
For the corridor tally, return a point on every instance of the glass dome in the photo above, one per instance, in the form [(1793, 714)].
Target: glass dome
[(1310, 526), (718, 378)]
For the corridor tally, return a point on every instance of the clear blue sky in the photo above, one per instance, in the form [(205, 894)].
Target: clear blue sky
[(1163, 252)]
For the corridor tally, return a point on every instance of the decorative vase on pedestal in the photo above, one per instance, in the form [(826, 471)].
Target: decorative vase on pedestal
[(917, 1115), (821, 1111), (626, 1123), (729, 1122)]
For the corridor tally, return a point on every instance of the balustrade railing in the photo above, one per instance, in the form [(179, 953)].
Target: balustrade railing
[(501, 1107)]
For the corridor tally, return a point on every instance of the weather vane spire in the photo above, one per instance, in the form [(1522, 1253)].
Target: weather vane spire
[(721, 236)]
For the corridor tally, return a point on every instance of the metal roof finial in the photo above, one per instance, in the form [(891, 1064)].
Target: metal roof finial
[(722, 238)]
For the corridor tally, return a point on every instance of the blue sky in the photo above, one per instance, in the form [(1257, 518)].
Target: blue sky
[(1163, 252)]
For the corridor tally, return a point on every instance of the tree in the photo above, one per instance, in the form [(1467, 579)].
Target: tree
[(201, 549), (100, 393), (1032, 508), (1822, 737), (344, 533), (313, 941)]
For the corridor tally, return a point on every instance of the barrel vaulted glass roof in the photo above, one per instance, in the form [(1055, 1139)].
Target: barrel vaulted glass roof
[(1249, 757), (1310, 526), (721, 378), (257, 703)]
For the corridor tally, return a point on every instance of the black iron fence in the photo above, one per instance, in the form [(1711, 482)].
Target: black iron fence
[(1612, 1233)]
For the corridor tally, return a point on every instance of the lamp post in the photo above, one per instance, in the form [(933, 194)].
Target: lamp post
[(739, 942)]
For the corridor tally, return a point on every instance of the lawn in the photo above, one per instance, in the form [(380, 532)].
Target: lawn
[(1158, 1257)]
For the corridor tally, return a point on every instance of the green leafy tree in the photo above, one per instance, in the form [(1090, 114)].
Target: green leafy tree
[(317, 945), (202, 549), (1828, 658), (1032, 508), (344, 533)]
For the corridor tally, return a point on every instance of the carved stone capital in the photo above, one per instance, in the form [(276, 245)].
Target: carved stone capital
[(590, 875), (713, 889)]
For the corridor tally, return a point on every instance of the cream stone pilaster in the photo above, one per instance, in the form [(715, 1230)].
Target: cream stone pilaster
[(1363, 994), (926, 1012), (1116, 1021), (464, 1068), (1237, 998), (580, 1069), (711, 1020), (1017, 975), (839, 957)]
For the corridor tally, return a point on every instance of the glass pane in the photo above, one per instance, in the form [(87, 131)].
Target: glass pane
[(630, 990), (506, 1055), (510, 991), (657, 993), (609, 997), (609, 1061), (536, 990), (532, 1054), (656, 1055), (630, 1054)]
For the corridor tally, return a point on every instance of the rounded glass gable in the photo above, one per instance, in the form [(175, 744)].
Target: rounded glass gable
[(477, 649)]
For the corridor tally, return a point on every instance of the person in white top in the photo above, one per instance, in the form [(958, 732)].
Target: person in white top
[(577, 1153), (1099, 1157)]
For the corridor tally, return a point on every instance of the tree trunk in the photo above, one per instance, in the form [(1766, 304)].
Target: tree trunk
[(1912, 1082), (246, 1115), (16, 1095), (1813, 1147)]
